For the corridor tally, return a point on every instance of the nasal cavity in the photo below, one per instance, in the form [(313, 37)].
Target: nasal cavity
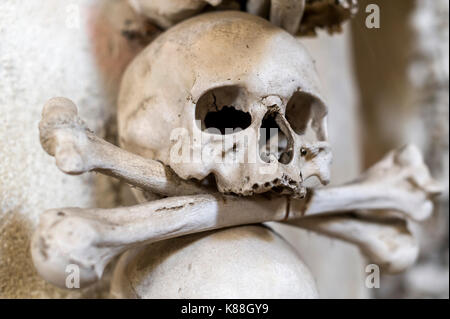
[(273, 142)]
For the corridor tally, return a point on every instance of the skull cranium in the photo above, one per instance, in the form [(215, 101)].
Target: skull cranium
[(228, 70)]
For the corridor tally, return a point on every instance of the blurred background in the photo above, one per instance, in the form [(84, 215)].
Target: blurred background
[(386, 87)]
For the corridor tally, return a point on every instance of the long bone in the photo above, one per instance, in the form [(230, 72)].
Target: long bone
[(90, 238), (381, 236), (303, 17), (400, 181), (385, 241), (78, 150), (286, 14)]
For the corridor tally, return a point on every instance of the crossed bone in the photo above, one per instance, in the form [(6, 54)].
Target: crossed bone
[(370, 212)]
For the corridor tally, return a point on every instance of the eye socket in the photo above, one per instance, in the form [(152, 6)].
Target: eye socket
[(219, 111), (304, 113), (227, 118)]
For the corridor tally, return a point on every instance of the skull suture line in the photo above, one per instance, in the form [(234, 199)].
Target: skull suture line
[(228, 70)]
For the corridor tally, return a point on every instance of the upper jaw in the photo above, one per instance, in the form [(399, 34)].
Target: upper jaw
[(280, 186)]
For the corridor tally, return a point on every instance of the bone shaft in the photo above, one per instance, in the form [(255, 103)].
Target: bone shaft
[(384, 241), (138, 171), (287, 14), (178, 216), (345, 227), (351, 197), (174, 217), (102, 234)]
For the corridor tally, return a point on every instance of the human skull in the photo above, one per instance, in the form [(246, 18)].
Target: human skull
[(228, 70)]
